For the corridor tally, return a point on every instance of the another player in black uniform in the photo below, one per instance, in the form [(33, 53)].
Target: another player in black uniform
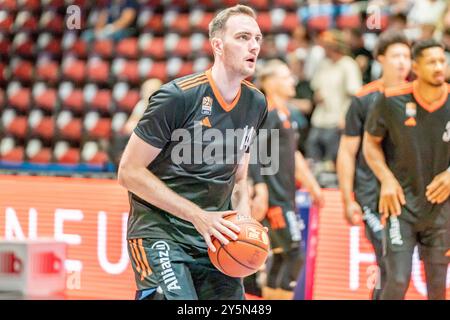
[(393, 53), (186, 157), (278, 84), (407, 146)]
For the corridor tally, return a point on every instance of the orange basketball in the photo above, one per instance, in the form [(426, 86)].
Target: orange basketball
[(247, 254)]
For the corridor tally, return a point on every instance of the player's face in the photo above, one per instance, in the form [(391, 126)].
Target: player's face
[(241, 44), (397, 60), (284, 82), (430, 67)]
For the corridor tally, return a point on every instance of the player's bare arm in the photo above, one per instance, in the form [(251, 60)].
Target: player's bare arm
[(305, 176), (260, 202), (134, 176), (241, 200), (391, 194), (438, 190), (346, 164)]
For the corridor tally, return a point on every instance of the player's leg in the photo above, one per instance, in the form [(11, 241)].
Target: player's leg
[(147, 286), (169, 263), (292, 264), (273, 271), (433, 248), (374, 233), (285, 236), (399, 242), (209, 282)]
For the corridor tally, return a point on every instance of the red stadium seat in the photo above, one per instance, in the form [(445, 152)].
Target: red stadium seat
[(16, 126), (104, 48), (97, 99), (5, 45), (19, 97), (10, 151), (48, 43), (97, 127), (40, 125), (23, 45), (69, 127), (97, 70), (200, 20), (10, 5), (291, 21), (151, 69), (44, 98), (36, 153), (21, 70), (74, 70), (176, 68), (64, 154), (319, 23), (183, 47), (71, 98), (349, 21), (6, 21), (264, 21), (3, 72), (47, 70), (181, 24), (54, 4), (152, 47), (2, 99), (52, 22), (124, 97), (147, 20), (126, 70), (91, 153), (74, 45), (25, 21), (259, 4), (30, 5), (128, 48), (288, 4)]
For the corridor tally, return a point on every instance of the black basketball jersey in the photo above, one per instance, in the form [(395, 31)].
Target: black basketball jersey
[(365, 185), (417, 148), (202, 139), (281, 183)]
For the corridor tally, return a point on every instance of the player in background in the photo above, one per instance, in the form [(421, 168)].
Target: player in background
[(177, 206), (278, 83), (407, 146), (358, 184)]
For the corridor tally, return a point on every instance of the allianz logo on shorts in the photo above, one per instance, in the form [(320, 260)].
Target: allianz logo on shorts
[(167, 274), (394, 231)]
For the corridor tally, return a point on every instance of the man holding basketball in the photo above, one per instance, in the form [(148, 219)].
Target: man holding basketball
[(177, 206)]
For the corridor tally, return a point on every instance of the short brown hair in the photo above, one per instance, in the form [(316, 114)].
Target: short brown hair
[(387, 39), (218, 23)]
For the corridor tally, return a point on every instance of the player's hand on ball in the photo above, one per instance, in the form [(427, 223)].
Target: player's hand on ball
[(392, 197), (439, 189), (213, 224), (353, 213)]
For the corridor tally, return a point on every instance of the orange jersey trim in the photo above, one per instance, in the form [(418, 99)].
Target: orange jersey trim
[(225, 106), (191, 79), (252, 86), (194, 84), (374, 86), (399, 90), (435, 105)]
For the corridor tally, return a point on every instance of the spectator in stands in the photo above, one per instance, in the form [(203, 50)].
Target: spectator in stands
[(116, 21), (362, 56), (446, 42), (398, 22), (336, 80), (426, 12), (301, 105)]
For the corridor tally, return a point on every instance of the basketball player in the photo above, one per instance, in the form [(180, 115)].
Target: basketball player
[(278, 84), (177, 206), (407, 146), (393, 53)]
